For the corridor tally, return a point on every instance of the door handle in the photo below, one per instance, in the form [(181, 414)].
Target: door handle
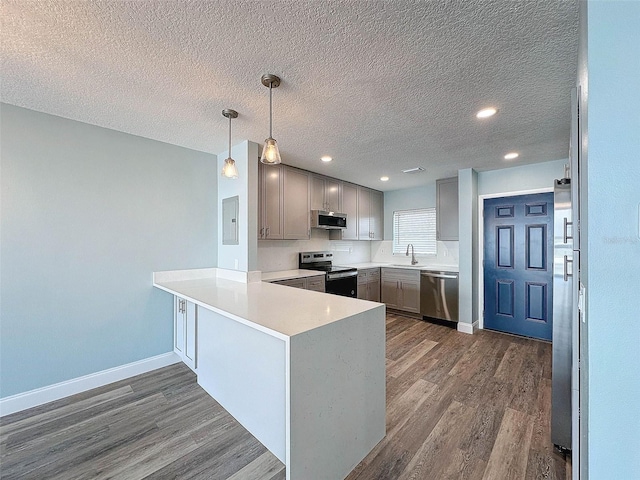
[(567, 261), (566, 236), (452, 277)]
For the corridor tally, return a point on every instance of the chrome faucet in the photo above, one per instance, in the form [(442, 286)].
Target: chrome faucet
[(413, 255)]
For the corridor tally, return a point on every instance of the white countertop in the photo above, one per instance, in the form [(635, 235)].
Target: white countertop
[(289, 274), (274, 309)]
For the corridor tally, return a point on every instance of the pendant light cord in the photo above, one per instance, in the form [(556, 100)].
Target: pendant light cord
[(270, 110), (229, 136)]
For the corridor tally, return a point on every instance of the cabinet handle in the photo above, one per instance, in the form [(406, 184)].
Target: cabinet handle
[(267, 232), (262, 232)]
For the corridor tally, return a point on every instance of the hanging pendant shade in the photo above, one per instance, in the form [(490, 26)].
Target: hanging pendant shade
[(270, 152), (229, 169)]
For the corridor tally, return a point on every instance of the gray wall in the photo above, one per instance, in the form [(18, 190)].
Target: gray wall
[(87, 214), (613, 239)]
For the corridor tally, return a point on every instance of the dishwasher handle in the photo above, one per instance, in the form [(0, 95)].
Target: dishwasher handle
[(438, 275)]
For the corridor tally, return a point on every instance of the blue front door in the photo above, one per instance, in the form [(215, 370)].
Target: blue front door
[(518, 265)]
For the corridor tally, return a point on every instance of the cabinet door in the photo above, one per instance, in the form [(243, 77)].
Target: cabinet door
[(363, 289), (315, 283), (317, 193), (191, 336), (293, 282), (350, 207), (374, 289), (410, 296), (447, 209), (332, 195), (389, 290), (364, 231), (296, 204), (272, 201), (376, 219), (179, 325)]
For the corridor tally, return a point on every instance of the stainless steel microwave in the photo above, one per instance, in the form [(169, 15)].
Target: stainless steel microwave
[(328, 220)]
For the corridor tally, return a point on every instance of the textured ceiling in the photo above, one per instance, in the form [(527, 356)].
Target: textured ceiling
[(379, 85)]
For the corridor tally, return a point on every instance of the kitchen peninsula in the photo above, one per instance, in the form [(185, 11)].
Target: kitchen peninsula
[(303, 371)]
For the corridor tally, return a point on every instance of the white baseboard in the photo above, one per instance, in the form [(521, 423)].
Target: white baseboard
[(39, 396), (469, 328)]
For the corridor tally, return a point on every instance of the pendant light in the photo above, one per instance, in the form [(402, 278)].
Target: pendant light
[(229, 169), (270, 153)]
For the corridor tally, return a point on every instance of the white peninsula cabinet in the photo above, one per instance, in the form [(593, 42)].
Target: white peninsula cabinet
[(401, 289), (302, 371), (185, 331)]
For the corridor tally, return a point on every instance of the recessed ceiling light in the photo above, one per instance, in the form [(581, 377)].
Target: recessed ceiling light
[(511, 156), (486, 112), (384, 179), (326, 158)]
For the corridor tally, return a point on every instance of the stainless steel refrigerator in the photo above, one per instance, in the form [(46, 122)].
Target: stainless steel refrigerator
[(565, 395), (562, 316)]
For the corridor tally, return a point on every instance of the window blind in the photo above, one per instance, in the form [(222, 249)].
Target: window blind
[(417, 227)]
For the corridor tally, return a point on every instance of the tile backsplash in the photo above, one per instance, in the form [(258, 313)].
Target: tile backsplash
[(447, 254), (274, 255)]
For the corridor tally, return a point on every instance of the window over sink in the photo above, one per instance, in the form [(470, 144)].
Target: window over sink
[(417, 227)]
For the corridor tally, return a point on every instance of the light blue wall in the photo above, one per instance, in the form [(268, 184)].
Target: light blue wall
[(245, 187), (521, 178), (408, 198), (87, 214), (613, 313), (468, 233)]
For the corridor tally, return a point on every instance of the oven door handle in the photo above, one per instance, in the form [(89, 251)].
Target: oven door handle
[(333, 276)]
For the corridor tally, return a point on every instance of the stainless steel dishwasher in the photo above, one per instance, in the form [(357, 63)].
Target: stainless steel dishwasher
[(439, 295)]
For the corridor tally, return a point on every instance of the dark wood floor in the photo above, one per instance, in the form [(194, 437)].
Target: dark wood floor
[(458, 406)]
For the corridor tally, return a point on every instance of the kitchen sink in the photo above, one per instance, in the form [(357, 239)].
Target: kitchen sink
[(404, 265)]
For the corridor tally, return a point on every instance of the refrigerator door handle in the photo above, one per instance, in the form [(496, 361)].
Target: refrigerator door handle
[(566, 236), (567, 261)]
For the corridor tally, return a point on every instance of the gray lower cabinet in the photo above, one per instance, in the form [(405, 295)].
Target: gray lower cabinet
[(185, 332), (400, 289), (315, 283), (369, 284), (447, 209)]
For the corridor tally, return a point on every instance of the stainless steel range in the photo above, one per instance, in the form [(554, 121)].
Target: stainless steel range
[(339, 280)]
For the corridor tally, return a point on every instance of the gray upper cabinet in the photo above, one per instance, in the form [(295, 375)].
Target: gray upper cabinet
[(370, 214), (376, 221), (283, 194), (287, 194), (270, 198), (350, 207), (296, 204), (447, 209), (325, 194)]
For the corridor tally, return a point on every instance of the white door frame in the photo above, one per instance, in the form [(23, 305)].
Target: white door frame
[(481, 199)]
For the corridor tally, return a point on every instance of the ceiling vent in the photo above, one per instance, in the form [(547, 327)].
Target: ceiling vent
[(413, 170)]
